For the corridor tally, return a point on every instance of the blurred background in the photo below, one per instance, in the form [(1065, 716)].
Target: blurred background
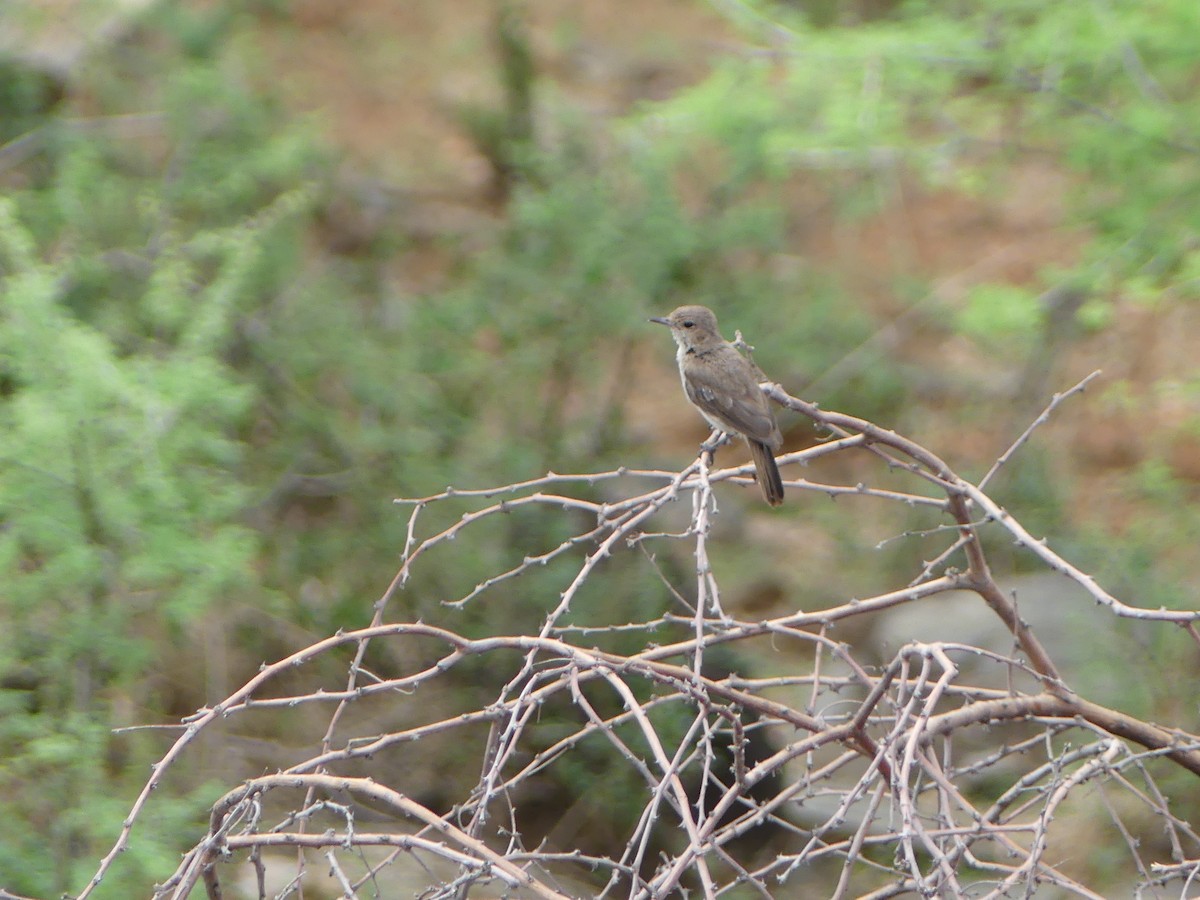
[(266, 265)]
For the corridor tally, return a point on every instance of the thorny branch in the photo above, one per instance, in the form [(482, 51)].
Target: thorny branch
[(917, 775)]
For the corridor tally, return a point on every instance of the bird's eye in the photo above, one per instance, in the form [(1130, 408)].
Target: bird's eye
[(688, 323)]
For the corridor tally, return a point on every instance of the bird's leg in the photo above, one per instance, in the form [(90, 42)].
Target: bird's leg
[(715, 440)]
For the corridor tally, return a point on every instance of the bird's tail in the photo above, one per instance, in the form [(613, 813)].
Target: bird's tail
[(767, 472)]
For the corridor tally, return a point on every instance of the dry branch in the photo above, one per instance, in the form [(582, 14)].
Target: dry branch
[(839, 777)]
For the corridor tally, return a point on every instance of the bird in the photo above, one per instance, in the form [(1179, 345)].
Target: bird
[(723, 385)]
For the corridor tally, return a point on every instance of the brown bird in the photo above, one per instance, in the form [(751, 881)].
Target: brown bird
[(723, 385)]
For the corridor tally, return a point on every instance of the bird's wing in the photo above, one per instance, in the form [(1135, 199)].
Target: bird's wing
[(728, 393)]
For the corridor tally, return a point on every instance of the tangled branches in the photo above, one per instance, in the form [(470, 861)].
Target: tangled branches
[(947, 770)]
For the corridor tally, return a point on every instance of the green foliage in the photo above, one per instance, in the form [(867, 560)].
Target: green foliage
[(1110, 87), (57, 771), (1120, 103), (25, 95), (999, 311), (123, 468)]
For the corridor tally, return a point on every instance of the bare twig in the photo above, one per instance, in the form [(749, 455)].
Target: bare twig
[(836, 763)]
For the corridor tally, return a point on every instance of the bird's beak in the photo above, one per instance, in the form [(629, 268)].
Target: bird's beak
[(660, 320)]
